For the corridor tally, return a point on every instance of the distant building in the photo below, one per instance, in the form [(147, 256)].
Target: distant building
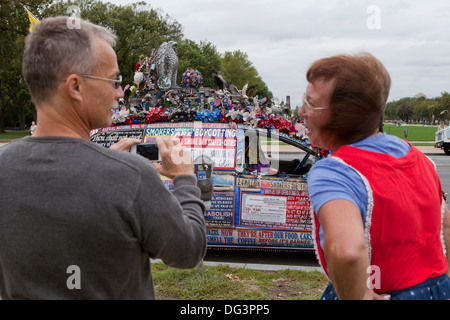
[(288, 102), (420, 95)]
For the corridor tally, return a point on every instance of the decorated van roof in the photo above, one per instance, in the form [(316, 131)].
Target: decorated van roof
[(155, 97)]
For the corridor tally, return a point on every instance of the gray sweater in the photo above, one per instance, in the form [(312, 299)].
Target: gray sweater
[(79, 221)]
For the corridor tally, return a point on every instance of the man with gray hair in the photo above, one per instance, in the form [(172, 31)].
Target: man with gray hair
[(79, 221)]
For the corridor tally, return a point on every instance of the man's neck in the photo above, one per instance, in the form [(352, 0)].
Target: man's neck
[(52, 123)]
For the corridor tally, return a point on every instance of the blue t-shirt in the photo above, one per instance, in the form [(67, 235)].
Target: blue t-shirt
[(330, 179)]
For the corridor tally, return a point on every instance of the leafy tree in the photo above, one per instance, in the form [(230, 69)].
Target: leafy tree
[(419, 109), (404, 110), (420, 113), (138, 27), (444, 104), (236, 67), (14, 97), (203, 57)]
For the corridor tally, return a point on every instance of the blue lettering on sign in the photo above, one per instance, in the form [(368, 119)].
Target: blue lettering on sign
[(159, 131)]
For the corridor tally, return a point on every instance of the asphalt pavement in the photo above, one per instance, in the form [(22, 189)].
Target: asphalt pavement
[(259, 260)]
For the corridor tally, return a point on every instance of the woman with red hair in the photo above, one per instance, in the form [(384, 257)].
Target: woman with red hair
[(380, 220)]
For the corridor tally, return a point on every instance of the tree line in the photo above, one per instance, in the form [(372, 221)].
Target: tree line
[(419, 109), (139, 29)]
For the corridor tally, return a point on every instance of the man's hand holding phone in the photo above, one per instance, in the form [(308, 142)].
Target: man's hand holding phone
[(147, 150), (175, 159), (125, 144)]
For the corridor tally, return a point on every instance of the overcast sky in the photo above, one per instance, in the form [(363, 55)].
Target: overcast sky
[(283, 37)]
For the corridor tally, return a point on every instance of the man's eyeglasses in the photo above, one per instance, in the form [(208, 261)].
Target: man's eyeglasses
[(117, 81), (308, 106)]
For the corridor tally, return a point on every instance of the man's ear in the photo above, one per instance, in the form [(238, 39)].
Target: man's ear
[(74, 87)]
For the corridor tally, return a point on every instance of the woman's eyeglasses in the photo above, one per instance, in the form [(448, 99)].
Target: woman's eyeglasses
[(308, 106)]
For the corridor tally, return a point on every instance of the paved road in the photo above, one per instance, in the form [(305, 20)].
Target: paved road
[(264, 260), (443, 170)]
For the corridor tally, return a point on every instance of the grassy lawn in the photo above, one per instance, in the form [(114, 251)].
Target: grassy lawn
[(13, 134), (415, 133), (227, 283)]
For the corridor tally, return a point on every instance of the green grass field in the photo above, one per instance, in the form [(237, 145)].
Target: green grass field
[(228, 283), (13, 135), (415, 133)]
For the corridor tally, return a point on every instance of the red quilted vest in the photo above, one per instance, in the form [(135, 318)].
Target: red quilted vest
[(404, 219)]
